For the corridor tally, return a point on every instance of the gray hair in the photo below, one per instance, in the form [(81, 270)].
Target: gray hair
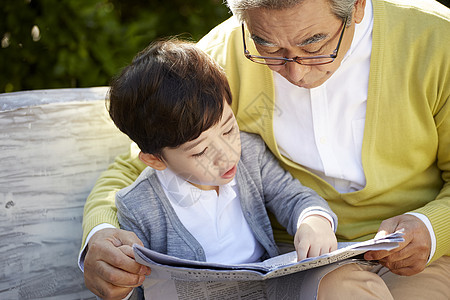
[(340, 8)]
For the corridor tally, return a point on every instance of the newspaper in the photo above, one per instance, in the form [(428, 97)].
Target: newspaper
[(178, 278)]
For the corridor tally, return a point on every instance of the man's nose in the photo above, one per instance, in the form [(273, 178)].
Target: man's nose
[(295, 72)]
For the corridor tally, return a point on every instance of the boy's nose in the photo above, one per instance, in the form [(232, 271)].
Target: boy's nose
[(221, 160)]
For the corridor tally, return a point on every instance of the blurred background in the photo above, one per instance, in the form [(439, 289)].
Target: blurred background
[(83, 43)]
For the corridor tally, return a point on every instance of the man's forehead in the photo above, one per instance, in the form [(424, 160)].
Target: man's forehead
[(301, 25), (304, 14)]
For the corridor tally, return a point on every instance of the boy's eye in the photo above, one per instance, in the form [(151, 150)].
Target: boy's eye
[(229, 131), (200, 153)]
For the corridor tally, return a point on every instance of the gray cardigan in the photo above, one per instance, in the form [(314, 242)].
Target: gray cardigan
[(144, 208)]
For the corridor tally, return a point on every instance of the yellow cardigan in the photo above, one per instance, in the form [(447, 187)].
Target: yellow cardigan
[(406, 144)]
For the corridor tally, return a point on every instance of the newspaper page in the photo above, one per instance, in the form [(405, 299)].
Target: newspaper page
[(176, 278), (301, 285)]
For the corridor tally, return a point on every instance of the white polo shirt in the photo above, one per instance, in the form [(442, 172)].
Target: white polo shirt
[(214, 219)]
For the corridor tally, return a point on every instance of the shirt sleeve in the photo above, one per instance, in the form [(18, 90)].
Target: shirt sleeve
[(427, 223), (82, 254), (100, 205), (320, 213)]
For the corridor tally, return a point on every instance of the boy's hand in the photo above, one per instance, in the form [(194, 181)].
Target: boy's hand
[(314, 237)]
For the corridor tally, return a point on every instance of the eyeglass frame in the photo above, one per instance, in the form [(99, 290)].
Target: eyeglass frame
[(297, 59)]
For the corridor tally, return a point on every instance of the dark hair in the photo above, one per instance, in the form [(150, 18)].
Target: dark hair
[(168, 95)]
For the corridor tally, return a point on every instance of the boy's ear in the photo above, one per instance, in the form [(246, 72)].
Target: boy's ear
[(152, 161)]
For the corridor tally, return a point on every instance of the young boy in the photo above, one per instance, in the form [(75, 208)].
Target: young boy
[(205, 194)]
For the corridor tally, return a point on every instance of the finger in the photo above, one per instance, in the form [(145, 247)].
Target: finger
[(376, 255), (119, 277), (124, 262), (325, 250), (387, 226), (314, 250), (108, 291), (380, 234), (398, 256), (104, 289), (403, 250), (127, 237), (404, 259), (302, 251), (334, 246), (408, 266), (112, 265), (330, 246), (127, 250), (110, 254)]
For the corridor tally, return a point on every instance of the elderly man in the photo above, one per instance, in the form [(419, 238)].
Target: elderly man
[(353, 98)]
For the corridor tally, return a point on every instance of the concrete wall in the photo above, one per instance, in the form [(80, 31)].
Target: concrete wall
[(53, 146)]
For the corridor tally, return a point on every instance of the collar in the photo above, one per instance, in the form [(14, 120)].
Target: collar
[(182, 193), (362, 29)]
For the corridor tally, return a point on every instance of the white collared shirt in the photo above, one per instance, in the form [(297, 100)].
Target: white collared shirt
[(322, 128), (215, 220)]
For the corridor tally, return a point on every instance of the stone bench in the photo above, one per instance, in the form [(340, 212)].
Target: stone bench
[(53, 146)]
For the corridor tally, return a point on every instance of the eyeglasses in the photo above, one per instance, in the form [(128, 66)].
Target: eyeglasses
[(305, 60)]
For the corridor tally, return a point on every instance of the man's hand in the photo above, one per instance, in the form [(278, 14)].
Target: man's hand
[(412, 255), (314, 237), (110, 270)]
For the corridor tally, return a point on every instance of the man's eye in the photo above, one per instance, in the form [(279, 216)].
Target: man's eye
[(312, 52), (271, 52), (314, 49), (200, 153), (268, 50)]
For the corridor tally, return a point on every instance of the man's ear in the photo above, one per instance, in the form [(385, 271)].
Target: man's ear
[(152, 161), (360, 5)]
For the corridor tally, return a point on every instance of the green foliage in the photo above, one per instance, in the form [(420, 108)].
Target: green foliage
[(83, 43)]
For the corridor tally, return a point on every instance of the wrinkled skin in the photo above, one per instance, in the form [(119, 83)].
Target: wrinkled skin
[(412, 255), (110, 270)]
